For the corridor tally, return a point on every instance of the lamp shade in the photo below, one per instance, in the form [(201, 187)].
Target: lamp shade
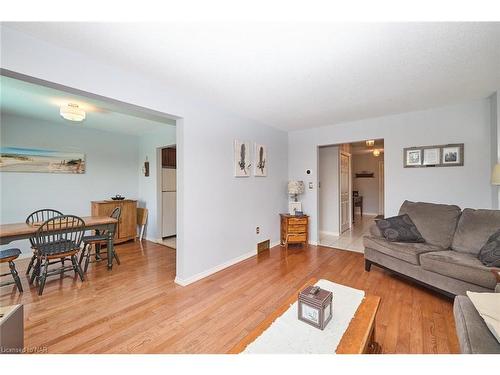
[(495, 176), (296, 187)]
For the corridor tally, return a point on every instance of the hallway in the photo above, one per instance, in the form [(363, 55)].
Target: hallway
[(351, 239)]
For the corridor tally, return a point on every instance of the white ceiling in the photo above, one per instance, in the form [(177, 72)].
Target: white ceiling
[(31, 100), (300, 75)]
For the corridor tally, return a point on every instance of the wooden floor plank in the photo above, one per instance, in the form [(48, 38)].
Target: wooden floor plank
[(137, 307)]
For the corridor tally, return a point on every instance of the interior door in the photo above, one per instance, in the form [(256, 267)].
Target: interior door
[(345, 191)]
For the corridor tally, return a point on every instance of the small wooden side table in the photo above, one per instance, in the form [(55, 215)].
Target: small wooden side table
[(294, 229)]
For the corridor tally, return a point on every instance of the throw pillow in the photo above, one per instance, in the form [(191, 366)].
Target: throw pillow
[(489, 254), (399, 229), (488, 306)]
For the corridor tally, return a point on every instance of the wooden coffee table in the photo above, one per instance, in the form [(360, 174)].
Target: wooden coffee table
[(359, 337)]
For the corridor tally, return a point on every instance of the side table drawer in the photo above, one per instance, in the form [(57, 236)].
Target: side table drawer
[(296, 238), (297, 221), (297, 229)]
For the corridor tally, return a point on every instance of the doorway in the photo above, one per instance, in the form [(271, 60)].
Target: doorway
[(167, 209), (351, 192)]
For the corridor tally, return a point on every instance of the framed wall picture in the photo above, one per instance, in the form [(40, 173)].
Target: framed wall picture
[(241, 159), (450, 155), (413, 157), (453, 154), (432, 156), (32, 160), (260, 160)]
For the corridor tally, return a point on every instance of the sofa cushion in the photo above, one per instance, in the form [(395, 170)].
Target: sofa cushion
[(474, 228), (399, 229), (473, 335), (436, 222), (409, 252), (459, 266), (489, 254)]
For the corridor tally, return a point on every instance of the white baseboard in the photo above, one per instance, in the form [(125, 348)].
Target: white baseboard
[(155, 240), (336, 234), (313, 243), (211, 271)]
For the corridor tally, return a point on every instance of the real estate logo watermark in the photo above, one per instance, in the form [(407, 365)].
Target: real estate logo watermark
[(24, 350)]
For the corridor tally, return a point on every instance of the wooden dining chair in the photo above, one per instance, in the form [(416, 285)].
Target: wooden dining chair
[(58, 238), (8, 256), (142, 218), (95, 242), (39, 217)]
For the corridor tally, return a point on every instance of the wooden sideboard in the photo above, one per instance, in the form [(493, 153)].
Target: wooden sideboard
[(127, 225), (294, 229)]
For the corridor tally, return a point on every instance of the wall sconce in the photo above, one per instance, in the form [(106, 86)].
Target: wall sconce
[(370, 143), (376, 153), (145, 168)]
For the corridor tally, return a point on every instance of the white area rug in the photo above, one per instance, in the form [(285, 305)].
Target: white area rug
[(288, 335)]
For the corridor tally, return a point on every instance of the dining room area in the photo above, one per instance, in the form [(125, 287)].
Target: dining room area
[(78, 225)]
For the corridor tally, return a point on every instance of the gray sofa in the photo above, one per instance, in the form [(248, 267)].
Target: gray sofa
[(447, 261), (474, 336)]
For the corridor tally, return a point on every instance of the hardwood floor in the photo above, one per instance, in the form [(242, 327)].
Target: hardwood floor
[(137, 308)]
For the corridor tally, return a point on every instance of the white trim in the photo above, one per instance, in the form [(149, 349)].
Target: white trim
[(211, 271), (273, 244), (324, 232), (341, 248), (155, 240), (369, 214), (313, 243)]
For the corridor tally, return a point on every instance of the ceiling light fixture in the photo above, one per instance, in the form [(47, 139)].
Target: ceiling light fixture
[(72, 112), (370, 143), (376, 152)]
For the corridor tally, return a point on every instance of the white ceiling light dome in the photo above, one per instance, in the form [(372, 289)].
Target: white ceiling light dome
[(72, 112)]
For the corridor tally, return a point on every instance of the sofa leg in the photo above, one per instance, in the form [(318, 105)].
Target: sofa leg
[(368, 265)]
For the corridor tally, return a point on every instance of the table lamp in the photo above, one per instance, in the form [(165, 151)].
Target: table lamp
[(294, 189)]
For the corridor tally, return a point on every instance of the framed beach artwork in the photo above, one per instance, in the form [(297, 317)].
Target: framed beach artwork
[(241, 159), (30, 160), (260, 160)]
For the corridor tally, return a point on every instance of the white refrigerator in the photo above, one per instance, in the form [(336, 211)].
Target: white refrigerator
[(168, 196)]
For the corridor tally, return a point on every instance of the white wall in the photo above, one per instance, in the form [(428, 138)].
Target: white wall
[(150, 187), (495, 142), (368, 187), (217, 213), (111, 168), (467, 186), (328, 206)]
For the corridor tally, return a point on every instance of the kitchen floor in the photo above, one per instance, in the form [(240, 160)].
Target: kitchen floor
[(351, 239), (170, 242)]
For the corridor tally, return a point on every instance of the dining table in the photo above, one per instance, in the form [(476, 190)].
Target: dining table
[(23, 231)]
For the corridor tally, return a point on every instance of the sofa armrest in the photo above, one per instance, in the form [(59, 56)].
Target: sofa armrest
[(374, 231)]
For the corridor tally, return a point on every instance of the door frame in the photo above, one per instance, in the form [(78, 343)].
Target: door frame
[(349, 156), (381, 187)]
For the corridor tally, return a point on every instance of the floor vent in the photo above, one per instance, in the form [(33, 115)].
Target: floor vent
[(264, 245)]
